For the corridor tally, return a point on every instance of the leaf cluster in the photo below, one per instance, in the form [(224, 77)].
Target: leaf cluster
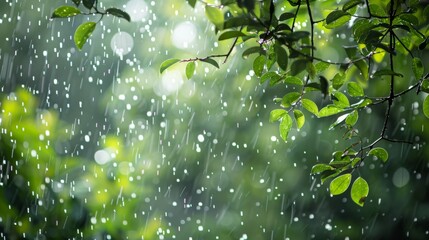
[(85, 30)]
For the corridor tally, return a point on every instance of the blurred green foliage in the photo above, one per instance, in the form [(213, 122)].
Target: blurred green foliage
[(93, 146)]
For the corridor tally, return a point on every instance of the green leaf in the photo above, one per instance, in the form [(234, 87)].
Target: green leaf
[(352, 119), (351, 4), (329, 111), (413, 20), (65, 11), (286, 16), (293, 80), (362, 103), (276, 114), (210, 61), (336, 18), (351, 51), (252, 50), (340, 184), (338, 80), (230, 34), (340, 100), (298, 66), (299, 118), (82, 33), (354, 89), (425, 86), (282, 57), (192, 3), (359, 191), (290, 99), (324, 86), (76, 2), (258, 65), (88, 3), (339, 120), (363, 68), (285, 126), (377, 10), (314, 86), (119, 13), (321, 66), (380, 153), (321, 167), (190, 69), (384, 72), (329, 174), (417, 67), (215, 16), (311, 70), (167, 63), (271, 76), (310, 106), (355, 161), (426, 107)]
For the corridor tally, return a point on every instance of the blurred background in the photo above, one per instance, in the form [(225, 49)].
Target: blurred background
[(96, 144)]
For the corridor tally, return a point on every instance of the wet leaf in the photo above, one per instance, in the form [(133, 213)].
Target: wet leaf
[(285, 126), (426, 107), (276, 114), (215, 16), (88, 3), (310, 106), (359, 191), (286, 16), (270, 76), (65, 11), (338, 80), (258, 65), (362, 103), (336, 18), (192, 3), (324, 86), (230, 34), (340, 100), (167, 63), (351, 4), (252, 50), (328, 174), (118, 13), (352, 119), (425, 86), (354, 89), (377, 10), (321, 66), (293, 80), (363, 68), (298, 66), (82, 33), (417, 67), (299, 118), (339, 120), (282, 57), (380, 153), (190, 69), (340, 184), (321, 167), (290, 99), (210, 61), (409, 18), (384, 72), (329, 111)]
